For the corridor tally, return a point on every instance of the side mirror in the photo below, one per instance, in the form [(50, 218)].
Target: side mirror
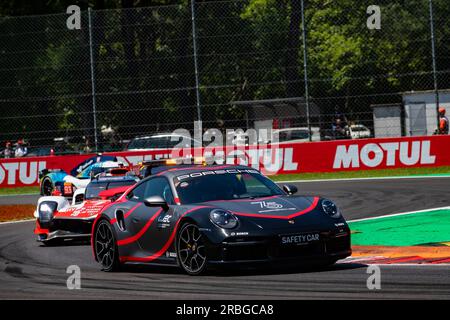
[(156, 201), (290, 189)]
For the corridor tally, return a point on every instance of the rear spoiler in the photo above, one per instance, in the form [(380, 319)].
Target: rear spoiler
[(145, 168), (120, 171), (44, 172), (113, 193)]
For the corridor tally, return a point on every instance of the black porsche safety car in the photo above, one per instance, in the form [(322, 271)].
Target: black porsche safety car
[(201, 216)]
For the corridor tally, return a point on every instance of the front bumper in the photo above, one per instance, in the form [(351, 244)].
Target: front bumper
[(331, 247), (64, 229)]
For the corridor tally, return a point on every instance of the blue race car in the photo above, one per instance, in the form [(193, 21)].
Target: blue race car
[(66, 183)]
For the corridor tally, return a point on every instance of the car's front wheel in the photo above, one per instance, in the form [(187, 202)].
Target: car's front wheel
[(105, 247), (191, 249)]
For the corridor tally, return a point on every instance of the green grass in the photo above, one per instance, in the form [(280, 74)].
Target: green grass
[(445, 170), (407, 230), (21, 190)]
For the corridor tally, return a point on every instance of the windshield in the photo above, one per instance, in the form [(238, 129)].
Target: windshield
[(93, 189), (293, 135), (224, 185), (160, 142), (149, 143)]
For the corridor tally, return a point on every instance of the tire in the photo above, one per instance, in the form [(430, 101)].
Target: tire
[(105, 247), (191, 250), (47, 187)]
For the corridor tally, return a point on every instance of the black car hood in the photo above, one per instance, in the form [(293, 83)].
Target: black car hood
[(276, 207)]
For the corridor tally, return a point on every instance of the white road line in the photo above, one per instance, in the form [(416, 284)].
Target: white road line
[(364, 179), (19, 194), (17, 221), (401, 214), (366, 261)]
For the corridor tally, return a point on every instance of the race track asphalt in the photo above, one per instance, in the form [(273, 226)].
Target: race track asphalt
[(16, 199), (31, 271), (356, 198)]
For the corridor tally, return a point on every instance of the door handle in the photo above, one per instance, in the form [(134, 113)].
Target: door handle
[(136, 220)]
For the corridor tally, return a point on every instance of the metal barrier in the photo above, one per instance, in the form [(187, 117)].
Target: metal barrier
[(329, 156)]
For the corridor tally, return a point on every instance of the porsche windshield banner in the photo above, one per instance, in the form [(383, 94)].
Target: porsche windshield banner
[(329, 156)]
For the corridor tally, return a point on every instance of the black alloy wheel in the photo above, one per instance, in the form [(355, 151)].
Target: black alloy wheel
[(105, 247), (191, 249)]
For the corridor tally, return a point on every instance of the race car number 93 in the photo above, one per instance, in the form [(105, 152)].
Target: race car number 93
[(246, 309)]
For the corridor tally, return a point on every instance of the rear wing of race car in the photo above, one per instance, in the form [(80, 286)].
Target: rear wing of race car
[(44, 172), (119, 170), (111, 172), (152, 167)]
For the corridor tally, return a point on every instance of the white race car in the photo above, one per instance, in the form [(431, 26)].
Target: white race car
[(61, 183), (58, 218)]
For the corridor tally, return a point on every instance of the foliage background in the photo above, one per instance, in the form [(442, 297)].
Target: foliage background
[(248, 50)]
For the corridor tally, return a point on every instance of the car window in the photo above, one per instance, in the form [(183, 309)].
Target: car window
[(153, 187), (156, 143), (160, 142), (137, 194), (93, 190), (136, 144), (187, 142), (299, 134), (293, 135), (226, 186), (283, 136), (172, 141), (148, 143)]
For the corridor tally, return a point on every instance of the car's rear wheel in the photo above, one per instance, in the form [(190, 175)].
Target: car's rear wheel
[(191, 249), (105, 247), (47, 187)]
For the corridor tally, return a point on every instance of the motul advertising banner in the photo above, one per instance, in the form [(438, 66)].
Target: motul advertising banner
[(329, 156)]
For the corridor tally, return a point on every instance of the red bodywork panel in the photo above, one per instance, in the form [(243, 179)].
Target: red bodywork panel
[(39, 230), (106, 194), (89, 209)]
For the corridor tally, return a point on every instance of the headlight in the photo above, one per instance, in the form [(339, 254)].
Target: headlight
[(223, 218), (46, 210), (330, 209)]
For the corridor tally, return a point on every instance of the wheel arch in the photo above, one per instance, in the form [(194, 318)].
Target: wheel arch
[(184, 220)]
